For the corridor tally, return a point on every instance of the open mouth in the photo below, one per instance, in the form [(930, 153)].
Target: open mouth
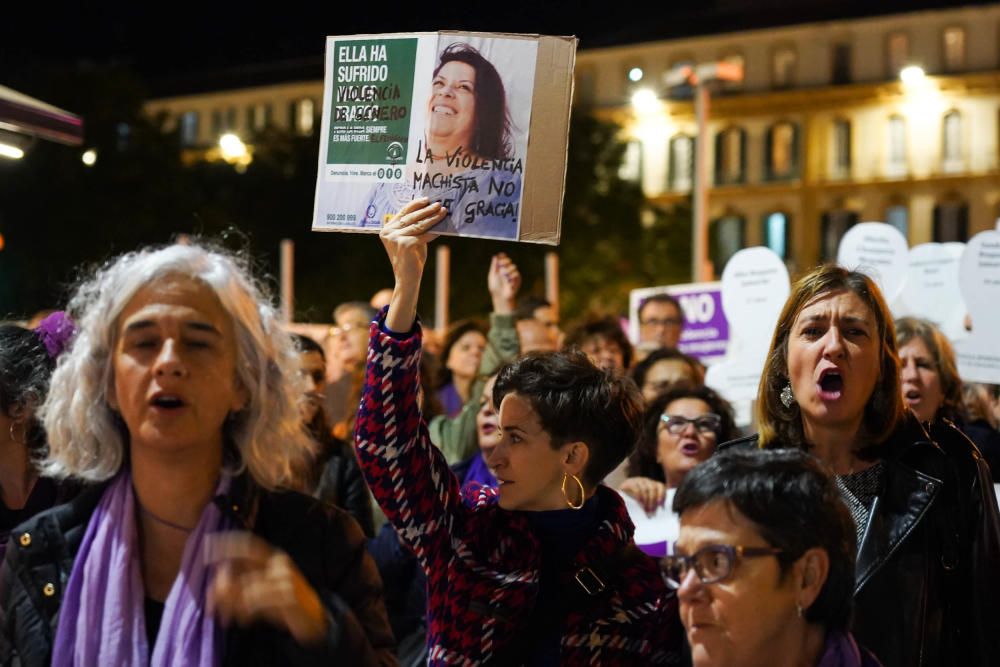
[(167, 402), (831, 384), (438, 108), (689, 448), (912, 396)]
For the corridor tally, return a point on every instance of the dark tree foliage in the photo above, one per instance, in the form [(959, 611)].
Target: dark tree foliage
[(56, 215)]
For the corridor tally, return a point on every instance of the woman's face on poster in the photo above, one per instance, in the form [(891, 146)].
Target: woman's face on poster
[(452, 105)]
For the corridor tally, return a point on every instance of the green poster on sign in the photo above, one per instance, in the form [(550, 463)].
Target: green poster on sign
[(370, 101)]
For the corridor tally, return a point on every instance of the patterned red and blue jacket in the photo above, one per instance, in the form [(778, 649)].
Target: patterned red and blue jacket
[(483, 562)]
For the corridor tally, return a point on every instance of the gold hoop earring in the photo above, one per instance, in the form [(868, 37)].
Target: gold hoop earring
[(583, 493), (24, 433)]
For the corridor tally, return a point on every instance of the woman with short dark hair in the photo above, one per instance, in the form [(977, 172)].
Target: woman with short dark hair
[(604, 341), (765, 563), (541, 569)]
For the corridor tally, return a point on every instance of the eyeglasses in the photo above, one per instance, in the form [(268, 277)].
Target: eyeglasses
[(665, 322), (707, 423), (712, 563)]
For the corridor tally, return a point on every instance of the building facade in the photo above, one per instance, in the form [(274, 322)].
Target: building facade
[(822, 132)]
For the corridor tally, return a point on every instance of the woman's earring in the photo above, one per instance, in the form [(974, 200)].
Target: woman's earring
[(786, 396), (24, 433), (583, 493)]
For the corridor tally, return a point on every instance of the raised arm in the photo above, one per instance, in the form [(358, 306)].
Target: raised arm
[(408, 475), (503, 282), (457, 436), (405, 239)]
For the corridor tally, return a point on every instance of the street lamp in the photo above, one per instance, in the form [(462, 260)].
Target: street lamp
[(701, 76), (912, 74), (10, 151), (645, 101), (235, 152)]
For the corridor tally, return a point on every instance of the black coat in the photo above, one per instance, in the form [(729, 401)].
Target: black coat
[(341, 483), (323, 541), (927, 583)]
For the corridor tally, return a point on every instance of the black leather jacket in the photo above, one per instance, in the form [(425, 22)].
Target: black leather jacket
[(927, 583), (323, 541)]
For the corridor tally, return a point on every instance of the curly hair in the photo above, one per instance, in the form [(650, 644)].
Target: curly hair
[(88, 440), (642, 462), (781, 426), (576, 400), (602, 329), (25, 368)]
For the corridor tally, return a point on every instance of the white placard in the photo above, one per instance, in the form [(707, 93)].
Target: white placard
[(755, 286), (879, 251), (931, 289), (979, 281)]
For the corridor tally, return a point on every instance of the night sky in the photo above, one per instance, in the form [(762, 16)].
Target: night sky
[(178, 41)]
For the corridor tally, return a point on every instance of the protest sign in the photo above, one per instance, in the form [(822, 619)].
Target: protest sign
[(879, 251), (706, 330), (448, 116), (979, 280), (931, 288), (755, 286)]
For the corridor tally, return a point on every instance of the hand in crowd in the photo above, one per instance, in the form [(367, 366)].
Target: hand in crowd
[(503, 281), (649, 492), (255, 581), (405, 237)]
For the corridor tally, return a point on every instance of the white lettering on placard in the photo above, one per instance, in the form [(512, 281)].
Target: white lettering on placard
[(698, 308)]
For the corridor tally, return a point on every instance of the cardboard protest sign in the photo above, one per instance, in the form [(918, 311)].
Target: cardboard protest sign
[(879, 251), (979, 280), (755, 286), (477, 121), (706, 330)]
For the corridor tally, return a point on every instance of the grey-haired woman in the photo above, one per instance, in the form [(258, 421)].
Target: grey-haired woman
[(177, 404)]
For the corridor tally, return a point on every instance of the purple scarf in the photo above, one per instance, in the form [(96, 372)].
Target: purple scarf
[(842, 651), (102, 619)]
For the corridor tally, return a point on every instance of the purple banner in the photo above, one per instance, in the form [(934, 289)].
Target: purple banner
[(706, 330)]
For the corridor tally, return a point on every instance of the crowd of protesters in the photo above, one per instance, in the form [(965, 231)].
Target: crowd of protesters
[(183, 481)]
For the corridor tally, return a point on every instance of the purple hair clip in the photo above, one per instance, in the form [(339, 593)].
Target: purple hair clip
[(56, 331)]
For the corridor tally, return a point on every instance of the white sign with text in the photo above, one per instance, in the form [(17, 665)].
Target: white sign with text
[(979, 280), (879, 251), (755, 286), (931, 289)]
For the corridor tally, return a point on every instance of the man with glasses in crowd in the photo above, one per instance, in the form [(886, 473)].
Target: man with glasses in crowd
[(661, 321)]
